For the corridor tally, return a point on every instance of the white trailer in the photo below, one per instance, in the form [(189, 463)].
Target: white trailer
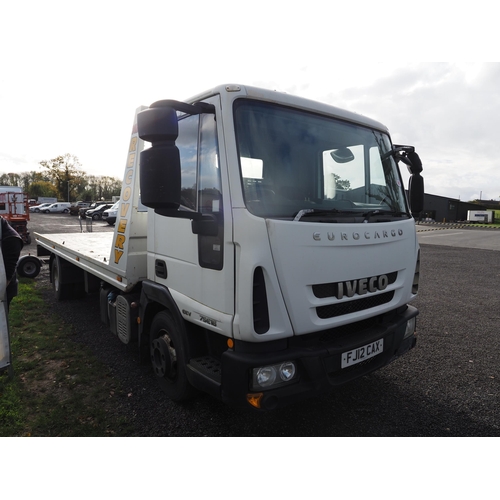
[(264, 250), (480, 216)]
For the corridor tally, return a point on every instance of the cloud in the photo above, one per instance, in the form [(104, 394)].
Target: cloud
[(450, 112)]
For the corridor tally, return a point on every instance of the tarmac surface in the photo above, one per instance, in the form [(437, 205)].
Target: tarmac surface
[(448, 385), (459, 235)]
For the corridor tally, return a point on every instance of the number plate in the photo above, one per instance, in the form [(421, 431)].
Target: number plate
[(368, 351)]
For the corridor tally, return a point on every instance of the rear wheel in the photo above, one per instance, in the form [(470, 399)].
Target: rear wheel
[(61, 290), (169, 357), (66, 282)]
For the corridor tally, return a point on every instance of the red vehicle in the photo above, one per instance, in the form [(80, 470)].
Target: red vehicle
[(14, 207)]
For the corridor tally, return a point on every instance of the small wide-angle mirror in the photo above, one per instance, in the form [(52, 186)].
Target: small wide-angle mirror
[(342, 155)]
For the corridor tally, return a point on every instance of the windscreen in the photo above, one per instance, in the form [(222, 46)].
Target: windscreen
[(294, 162)]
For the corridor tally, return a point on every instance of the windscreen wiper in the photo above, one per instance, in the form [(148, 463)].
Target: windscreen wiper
[(320, 211), (393, 213)]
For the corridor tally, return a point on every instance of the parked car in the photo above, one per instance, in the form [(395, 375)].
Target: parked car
[(39, 208), (110, 214), (96, 213), (83, 211), (57, 208), (74, 209)]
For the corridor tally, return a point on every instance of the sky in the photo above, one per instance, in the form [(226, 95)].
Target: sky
[(73, 74)]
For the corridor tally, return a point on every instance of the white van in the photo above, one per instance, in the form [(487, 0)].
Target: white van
[(110, 214), (57, 208)]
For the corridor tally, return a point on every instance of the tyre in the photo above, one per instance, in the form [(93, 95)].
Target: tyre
[(28, 266), (66, 210), (96, 217), (37, 210), (169, 357), (46, 211), (61, 290)]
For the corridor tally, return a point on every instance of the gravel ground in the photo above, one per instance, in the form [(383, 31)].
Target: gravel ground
[(447, 386)]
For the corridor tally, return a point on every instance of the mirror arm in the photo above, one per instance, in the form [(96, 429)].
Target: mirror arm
[(190, 109)]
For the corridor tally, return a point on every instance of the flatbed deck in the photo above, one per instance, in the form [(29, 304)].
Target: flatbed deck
[(89, 251)]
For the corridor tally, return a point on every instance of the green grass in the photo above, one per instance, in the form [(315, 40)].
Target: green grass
[(58, 388)]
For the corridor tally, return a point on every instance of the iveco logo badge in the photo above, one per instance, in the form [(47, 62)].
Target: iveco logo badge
[(362, 286), (355, 236)]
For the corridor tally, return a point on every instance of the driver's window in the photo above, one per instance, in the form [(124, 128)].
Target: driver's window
[(187, 143)]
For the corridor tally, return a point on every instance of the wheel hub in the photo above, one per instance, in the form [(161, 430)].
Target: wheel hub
[(163, 357)]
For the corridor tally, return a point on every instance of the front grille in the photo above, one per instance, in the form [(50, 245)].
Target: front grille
[(325, 290), (353, 306), (344, 331)]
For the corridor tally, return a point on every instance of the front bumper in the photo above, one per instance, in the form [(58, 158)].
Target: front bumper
[(318, 360)]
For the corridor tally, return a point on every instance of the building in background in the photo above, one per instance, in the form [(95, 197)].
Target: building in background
[(443, 209)]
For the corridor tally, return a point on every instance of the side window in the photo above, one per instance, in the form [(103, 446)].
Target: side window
[(210, 248), (187, 143), (209, 186), (201, 181)]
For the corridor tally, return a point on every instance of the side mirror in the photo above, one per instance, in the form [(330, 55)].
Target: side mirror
[(160, 165), (407, 155), (415, 165), (416, 184), (416, 192)]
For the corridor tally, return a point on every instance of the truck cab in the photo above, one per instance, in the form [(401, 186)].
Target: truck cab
[(282, 225)]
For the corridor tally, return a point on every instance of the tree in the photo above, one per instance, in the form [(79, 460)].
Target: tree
[(341, 183), (62, 178), (101, 187), (42, 189), (9, 179), (65, 174)]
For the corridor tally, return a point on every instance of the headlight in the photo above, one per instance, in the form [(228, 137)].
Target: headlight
[(272, 376), (266, 376), (287, 371)]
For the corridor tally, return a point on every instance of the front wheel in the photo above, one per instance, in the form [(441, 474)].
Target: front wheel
[(96, 217), (169, 357)]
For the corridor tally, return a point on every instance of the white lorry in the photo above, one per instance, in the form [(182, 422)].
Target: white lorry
[(264, 249)]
